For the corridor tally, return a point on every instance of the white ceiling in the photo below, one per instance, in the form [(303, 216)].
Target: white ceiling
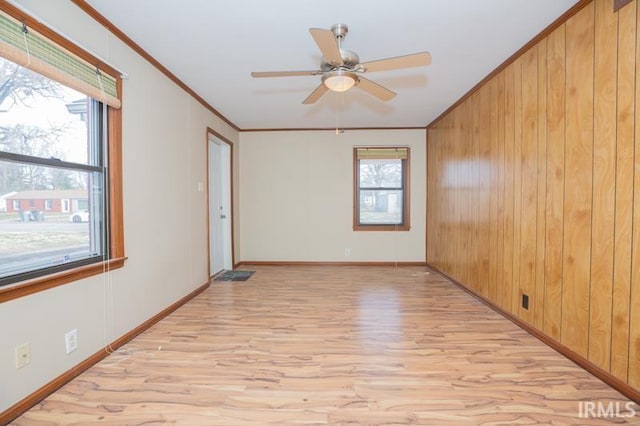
[(213, 45)]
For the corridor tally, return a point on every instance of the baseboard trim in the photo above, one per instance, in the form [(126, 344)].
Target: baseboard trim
[(605, 376), (28, 402), (306, 263)]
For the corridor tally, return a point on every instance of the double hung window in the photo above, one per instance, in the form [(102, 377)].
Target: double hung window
[(381, 189), (56, 174)]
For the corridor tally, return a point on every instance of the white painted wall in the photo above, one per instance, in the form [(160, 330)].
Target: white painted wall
[(164, 158), (296, 197)]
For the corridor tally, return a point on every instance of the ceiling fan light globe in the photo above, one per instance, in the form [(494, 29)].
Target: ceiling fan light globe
[(339, 81)]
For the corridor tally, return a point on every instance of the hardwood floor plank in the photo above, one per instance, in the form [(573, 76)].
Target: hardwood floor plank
[(318, 345)]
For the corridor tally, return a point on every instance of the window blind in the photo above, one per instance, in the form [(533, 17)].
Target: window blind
[(398, 153), (36, 52)]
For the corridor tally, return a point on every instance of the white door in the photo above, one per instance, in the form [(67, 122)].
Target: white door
[(219, 206)]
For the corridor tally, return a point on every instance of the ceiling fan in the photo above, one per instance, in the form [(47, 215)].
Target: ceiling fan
[(341, 69)]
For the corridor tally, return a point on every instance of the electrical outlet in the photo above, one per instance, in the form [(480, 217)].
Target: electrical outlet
[(347, 252), (23, 355), (525, 301), (71, 341)]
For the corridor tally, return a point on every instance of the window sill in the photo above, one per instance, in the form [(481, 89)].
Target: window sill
[(381, 228), (36, 285)]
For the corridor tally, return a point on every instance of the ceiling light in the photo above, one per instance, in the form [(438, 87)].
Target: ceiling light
[(339, 81)]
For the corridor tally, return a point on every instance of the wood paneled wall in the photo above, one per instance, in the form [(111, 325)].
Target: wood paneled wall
[(534, 188)]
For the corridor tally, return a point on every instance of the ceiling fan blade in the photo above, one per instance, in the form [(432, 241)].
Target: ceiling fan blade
[(375, 89), (316, 94), (407, 61), (328, 45), (261, 74)]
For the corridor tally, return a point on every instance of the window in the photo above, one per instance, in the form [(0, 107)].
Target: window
[(381, 189), (60, 127), (47, 151)]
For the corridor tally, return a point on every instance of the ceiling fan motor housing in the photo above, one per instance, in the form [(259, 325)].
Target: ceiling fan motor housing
[(349, 59)]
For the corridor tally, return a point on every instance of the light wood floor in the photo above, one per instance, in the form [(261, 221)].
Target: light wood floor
[(330, 345)]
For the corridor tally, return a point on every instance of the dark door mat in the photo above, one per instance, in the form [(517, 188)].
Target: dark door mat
[(234, 276)]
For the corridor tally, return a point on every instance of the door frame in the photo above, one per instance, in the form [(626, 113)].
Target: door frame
[(212, 133)]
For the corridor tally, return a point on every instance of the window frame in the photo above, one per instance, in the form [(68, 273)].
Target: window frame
[(96, 144), (114, 232), (406, 204)]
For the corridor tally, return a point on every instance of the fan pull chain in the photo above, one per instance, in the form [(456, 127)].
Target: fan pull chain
[(339, 107), (337, 115)]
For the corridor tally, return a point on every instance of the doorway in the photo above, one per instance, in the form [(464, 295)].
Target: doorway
[(220, 211)]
